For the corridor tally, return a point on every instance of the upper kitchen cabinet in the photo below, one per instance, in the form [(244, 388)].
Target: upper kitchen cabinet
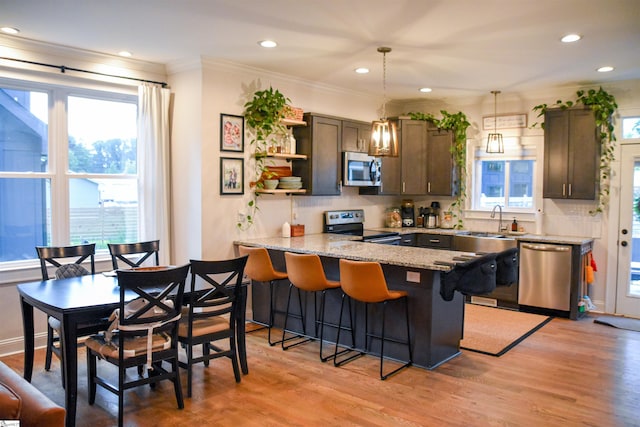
[(440, 166), (412, 135), (320, 141), (571, 154), (355, 136)]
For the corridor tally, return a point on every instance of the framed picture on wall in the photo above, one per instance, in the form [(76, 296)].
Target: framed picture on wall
[(231, 175), (231, 133)]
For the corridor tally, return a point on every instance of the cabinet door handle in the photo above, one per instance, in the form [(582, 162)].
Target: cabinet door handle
[(428, 187), (340, 186), (569, 190), (564, 193), (434, 240), (403, 189)]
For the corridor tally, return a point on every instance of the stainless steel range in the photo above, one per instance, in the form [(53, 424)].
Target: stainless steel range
[(351, 222)]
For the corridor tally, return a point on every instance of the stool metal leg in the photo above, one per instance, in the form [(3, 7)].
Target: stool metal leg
[(347, 350), (302, 338)]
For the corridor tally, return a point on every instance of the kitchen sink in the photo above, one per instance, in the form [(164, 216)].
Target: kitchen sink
[(484, 234), (475, 241)]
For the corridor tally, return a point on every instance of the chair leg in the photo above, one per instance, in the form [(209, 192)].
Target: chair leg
[(189, 368), (234, 356), (302, 338), (383, 339), (346, 350), (176, 381)]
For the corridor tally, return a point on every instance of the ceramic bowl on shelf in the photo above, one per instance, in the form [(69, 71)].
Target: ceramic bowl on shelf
[(290, 185), (271, 184), (290, 179)]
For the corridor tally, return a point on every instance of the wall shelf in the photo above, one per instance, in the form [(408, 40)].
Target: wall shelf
[(292, 122), (281, 191), (284, 156)]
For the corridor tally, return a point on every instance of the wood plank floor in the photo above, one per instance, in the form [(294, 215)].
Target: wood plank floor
[(569, 373)]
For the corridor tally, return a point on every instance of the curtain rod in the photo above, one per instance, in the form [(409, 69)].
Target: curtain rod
[(64, 68)]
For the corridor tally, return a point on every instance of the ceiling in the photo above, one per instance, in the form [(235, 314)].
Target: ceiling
[(459, 48)]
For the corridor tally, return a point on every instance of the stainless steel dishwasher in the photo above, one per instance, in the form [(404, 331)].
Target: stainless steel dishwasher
[(545, 276)]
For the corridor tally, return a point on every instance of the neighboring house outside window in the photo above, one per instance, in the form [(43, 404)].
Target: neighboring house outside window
[(68, 168), (504, 179)]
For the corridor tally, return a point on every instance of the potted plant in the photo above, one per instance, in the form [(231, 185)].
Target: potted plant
[(604, 106), (458, 124), (263, 117)]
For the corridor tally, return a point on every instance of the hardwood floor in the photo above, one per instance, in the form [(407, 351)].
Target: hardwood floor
[(569, 373)]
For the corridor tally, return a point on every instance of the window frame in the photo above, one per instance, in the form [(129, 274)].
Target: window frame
[(58, 148)]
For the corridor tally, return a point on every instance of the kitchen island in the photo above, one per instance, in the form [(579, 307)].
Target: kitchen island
[(436, 325)]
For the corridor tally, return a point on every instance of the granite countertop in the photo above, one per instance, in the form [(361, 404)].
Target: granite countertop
[(343, 246), (524, 237)]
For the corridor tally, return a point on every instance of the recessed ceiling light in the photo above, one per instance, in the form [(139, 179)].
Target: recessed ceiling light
[(605, 69), (267, 43), (125, 53), (425, 89), (9, 30), (570, 38), (361, 70)]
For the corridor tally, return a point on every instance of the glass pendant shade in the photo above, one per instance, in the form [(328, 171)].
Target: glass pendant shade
[(495, 143), (384, 139), (494, 140)]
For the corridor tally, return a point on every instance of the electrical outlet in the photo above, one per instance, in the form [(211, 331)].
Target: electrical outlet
[(413, 276), (294, 216), (241, 217)]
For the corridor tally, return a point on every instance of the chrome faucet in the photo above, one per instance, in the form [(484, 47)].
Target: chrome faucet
[(493, 215)]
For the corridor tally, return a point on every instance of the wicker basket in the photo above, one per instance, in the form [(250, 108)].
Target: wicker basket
[(293, 113)]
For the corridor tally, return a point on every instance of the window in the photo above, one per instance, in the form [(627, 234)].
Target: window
[(504, 180), (631, 127), (68, 168)]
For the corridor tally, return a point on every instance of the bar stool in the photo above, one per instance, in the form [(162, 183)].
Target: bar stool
[(306, 274), (365, 282), (260, 269)]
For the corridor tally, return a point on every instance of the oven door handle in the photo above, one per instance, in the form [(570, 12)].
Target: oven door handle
[(385, 240)]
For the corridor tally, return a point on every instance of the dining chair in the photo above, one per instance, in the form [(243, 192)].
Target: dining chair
[(134, 254), (213, 305), (259, 268), (145, 331), (365, 282), (306, 274), (67, 261)]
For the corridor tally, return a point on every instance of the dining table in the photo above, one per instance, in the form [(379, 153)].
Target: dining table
[(86, 302)]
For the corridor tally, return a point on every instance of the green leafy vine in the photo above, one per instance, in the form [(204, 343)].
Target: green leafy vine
[(603, 106), (263, 118), (458, 124)]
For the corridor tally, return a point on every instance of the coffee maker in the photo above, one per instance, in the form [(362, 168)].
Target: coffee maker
[(407, 213), (433, 220)]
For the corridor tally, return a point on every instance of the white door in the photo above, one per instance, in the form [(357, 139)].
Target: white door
[(628, 287)]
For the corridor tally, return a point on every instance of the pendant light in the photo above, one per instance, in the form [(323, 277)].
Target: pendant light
[(494, 140), (384, 135)]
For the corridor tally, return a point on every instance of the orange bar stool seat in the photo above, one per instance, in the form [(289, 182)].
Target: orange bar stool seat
[(306, 274), (259, 268), (365, 282)]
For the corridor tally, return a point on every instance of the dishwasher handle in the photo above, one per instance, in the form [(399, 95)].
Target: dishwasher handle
[(545, 248)]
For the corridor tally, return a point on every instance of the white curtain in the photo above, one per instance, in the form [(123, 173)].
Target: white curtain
[(153, 166)]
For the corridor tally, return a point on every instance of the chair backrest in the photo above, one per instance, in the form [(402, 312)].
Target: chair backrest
[(159, 295), (59, 257), (305, 271), (215, 287), (476, 276), (259, 266), (121, 252), (363, 281), (507, 267)]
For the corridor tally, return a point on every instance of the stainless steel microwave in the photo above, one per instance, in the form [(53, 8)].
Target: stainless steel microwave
[(360, 170)]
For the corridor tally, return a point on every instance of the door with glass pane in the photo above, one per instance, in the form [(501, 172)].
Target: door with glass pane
[(628, 289)]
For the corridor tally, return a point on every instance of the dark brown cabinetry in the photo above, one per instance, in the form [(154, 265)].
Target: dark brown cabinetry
[(434, 241), (441, 177), (356, 136), (571, 155), (412, 135), (320, 141)]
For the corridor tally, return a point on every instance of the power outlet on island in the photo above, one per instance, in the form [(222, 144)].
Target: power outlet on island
[(413, 276)]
